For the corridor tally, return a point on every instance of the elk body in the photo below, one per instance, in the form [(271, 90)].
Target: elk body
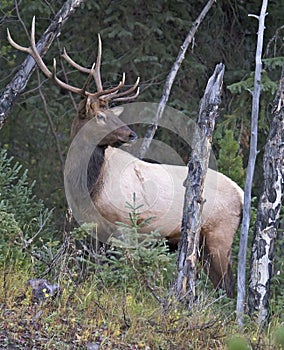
[(113, 175)]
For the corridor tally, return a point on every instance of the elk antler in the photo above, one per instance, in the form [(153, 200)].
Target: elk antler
[(107, 95), (36, 56)]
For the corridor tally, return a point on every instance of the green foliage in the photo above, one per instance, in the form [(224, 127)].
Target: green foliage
[(273, 62), (111, 306), (267, 85), (140, 258), (16, 194), (23, 217), (140, 40), (9, 232), (237, 343), (279, 337), (230, 162)]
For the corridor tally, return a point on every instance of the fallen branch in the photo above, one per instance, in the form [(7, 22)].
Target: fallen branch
[(170, 79), (21, 78)]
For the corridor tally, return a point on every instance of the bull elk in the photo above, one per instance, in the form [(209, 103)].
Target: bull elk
[(113, 175)]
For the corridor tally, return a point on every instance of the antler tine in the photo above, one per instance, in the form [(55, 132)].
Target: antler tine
[(77, 66), (104, 94), (127, 92), (64, 85), (91, 72), (97, 71), (129, 98), (15, 45), (88, 79), (32, 50), (34, 53), (109, 94)]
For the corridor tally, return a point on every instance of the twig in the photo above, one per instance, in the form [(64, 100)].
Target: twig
[(26, 243), (274, 38), (20, 18), (170, 79), (51, 125), (66, 77)]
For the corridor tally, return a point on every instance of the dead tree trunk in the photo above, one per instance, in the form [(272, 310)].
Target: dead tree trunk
[(265, 231), (19, 82), (251, 165), (193, 201)]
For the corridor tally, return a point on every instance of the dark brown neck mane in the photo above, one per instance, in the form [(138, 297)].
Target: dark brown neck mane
[(94, 169)]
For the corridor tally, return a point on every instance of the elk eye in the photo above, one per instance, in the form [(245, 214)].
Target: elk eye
[(101, 117)]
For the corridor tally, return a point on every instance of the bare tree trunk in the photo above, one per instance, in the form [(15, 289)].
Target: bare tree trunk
[(19, 82), (193, 201), (170, 79), (250, 167), (265, 232)]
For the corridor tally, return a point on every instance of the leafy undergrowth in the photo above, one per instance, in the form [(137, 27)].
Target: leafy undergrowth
[(117, 299), (92, 316)]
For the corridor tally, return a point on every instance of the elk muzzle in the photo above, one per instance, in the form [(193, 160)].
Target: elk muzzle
[(122, 135)]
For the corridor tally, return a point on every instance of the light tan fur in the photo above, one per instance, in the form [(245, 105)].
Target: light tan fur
[(159, 187)]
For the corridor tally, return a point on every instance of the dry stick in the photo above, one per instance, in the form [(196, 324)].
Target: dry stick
[(193, 200), (250, 168), (51, 125), (274, 38), (170, 79), (19, 82), (20, 18)]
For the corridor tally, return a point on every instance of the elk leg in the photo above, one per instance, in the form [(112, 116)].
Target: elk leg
[(216, 257)]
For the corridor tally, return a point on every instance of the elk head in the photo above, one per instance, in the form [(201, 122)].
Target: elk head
[(95, 105)]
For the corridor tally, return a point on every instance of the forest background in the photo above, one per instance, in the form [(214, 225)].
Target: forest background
[(140, 38)]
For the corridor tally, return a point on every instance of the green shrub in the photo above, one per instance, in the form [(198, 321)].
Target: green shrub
[(230, 162), (136, 258), (9, 231), (16, 194), (279, 337), (23, 217), (237, 343)]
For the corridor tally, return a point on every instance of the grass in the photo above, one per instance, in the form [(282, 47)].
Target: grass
[(124, 304), (91, 315)]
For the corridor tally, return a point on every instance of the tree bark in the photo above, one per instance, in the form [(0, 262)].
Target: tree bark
[(170, 79), (250, 168), (265, 231), (193, 201), (19, 82)]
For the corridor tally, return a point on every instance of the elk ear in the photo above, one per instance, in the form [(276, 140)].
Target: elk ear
[(117, 110), (82, 108), (89, 105)]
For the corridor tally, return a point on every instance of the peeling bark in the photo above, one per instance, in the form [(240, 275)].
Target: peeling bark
[(251, 165), (20, 80), (265, 231), (193, 201)]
